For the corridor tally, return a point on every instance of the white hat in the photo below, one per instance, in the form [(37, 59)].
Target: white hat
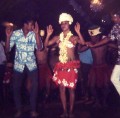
[(65, 17), (95, 31)]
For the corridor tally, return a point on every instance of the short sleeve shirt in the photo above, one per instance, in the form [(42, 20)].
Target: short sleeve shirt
[(24, 53)]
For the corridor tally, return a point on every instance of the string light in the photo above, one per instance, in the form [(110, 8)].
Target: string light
[(96, 5)]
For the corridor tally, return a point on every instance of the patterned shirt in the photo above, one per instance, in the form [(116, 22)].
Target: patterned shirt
[(115, 35), (25, 47)]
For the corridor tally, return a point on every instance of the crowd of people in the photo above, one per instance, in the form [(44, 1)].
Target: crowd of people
[(78, 58)]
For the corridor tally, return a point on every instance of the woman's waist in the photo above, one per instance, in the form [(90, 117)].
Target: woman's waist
[(68, 64)]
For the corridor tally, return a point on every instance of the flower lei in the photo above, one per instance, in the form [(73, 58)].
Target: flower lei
[(64, 42)]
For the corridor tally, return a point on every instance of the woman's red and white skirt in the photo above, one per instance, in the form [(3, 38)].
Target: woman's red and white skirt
[(66, 74)]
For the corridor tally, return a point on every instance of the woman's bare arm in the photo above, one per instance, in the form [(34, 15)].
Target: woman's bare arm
[(80, 38)]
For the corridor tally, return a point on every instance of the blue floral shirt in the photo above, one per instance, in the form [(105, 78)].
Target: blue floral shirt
[(25, 47)]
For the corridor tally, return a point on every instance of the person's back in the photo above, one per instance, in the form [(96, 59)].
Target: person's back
[(86, 60), (86, 56)]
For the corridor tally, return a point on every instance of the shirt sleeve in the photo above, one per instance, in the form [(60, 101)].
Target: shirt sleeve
[(41, 43), (112, 34), (12, 40)]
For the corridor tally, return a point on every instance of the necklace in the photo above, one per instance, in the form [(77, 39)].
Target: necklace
[(64, 41)]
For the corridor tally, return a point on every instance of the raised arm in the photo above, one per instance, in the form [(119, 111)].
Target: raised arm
[(49, 33), (8, 31), (37, 36), (80, 37)]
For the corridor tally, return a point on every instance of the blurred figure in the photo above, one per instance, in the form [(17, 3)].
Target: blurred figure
[(2, 69), (44, 72), (115, 35), (86, 60)]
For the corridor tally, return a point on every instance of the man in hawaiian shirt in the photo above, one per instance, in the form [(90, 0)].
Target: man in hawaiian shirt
[(26, 41)]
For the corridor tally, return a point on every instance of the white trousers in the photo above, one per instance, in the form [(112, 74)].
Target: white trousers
[(115, 78)]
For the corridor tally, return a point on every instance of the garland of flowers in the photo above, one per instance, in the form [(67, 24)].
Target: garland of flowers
[(64, 42)]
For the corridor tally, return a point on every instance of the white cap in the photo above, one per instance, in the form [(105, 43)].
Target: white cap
[(94, 32), (65, 17)]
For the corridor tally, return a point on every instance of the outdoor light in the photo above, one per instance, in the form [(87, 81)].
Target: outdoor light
[(42, 33), (96, 5)]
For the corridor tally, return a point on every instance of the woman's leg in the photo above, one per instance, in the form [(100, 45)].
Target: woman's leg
[(72, 99), (63, 98)]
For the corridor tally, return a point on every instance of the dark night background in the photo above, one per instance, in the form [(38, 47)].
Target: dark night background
[(47, 12)]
